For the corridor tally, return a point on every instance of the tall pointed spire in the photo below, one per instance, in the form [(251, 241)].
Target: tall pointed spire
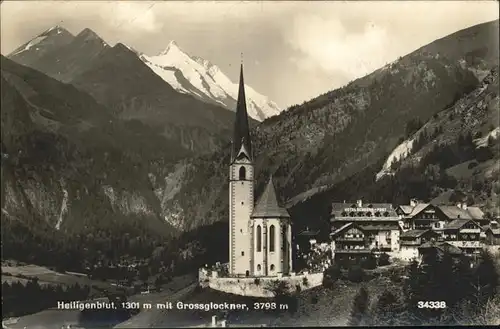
[(241, 129)]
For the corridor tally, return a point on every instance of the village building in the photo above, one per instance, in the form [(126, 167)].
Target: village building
[(492, 233), (306, 239), (360, 229), (260, 235), (438, 250), (419, 216), (464, 234), (407, 231), (304, 243), (411, 240)]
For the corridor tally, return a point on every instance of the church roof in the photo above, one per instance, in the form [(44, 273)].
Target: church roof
[(241, 128), (267, 206)]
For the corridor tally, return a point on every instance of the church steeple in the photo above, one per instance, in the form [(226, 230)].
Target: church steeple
[(241, 129)]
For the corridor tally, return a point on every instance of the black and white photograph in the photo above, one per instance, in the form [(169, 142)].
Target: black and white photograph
[(179, 164)]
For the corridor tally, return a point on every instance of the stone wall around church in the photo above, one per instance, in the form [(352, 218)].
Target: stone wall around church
[(256, 287)]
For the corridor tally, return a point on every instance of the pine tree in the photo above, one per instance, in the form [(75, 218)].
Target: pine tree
[(386, 309), (359, 308), (485, 280), (413, 286)]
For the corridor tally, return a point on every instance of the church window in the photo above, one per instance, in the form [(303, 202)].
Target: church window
[(258, 267), (272, 267), (259, 239), (243, 173), (242, 253), (271, 238), (242, 202), (283, 238)]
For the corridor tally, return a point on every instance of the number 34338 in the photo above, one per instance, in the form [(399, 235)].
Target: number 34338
[(432, 304)]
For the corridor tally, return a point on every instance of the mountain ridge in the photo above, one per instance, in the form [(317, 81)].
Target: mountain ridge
[(182, 71)]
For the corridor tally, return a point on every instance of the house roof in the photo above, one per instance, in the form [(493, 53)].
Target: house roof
[(407, 209), (457, 223), (418, 208), (378, 227), (267, 205), (455, 212), (443, 246), (308, 233), (340, 229), (413, 233), (476, 212), (411, 211), (495, 231), (367, 227)]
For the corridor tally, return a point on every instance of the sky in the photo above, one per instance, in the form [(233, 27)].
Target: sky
[(292, 51)]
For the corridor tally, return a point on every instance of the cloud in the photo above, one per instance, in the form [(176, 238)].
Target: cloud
[(355, 39), (133, 16), (307, 47), (327, 43)]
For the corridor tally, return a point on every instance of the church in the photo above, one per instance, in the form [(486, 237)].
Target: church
[(260, 234)]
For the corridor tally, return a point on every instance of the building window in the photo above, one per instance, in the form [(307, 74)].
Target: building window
[(283, 237), (272, 267), (272, 237), (242, 253), (259, 238), (243, 173), (242, 202), (258, 267)]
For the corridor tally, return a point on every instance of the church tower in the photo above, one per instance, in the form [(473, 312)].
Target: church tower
[(241, 191)]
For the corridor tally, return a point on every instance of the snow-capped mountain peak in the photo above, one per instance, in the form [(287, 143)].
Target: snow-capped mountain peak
[(172, 46), (204, 80)]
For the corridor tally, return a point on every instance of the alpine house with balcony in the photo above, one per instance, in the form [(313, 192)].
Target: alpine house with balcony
[(360, 229)]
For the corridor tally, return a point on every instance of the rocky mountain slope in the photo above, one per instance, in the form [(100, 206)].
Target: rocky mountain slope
[(64, 62), (311, 147), (69, 166), (63, 56), (462, 142), (44, 43), (118, 79)]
